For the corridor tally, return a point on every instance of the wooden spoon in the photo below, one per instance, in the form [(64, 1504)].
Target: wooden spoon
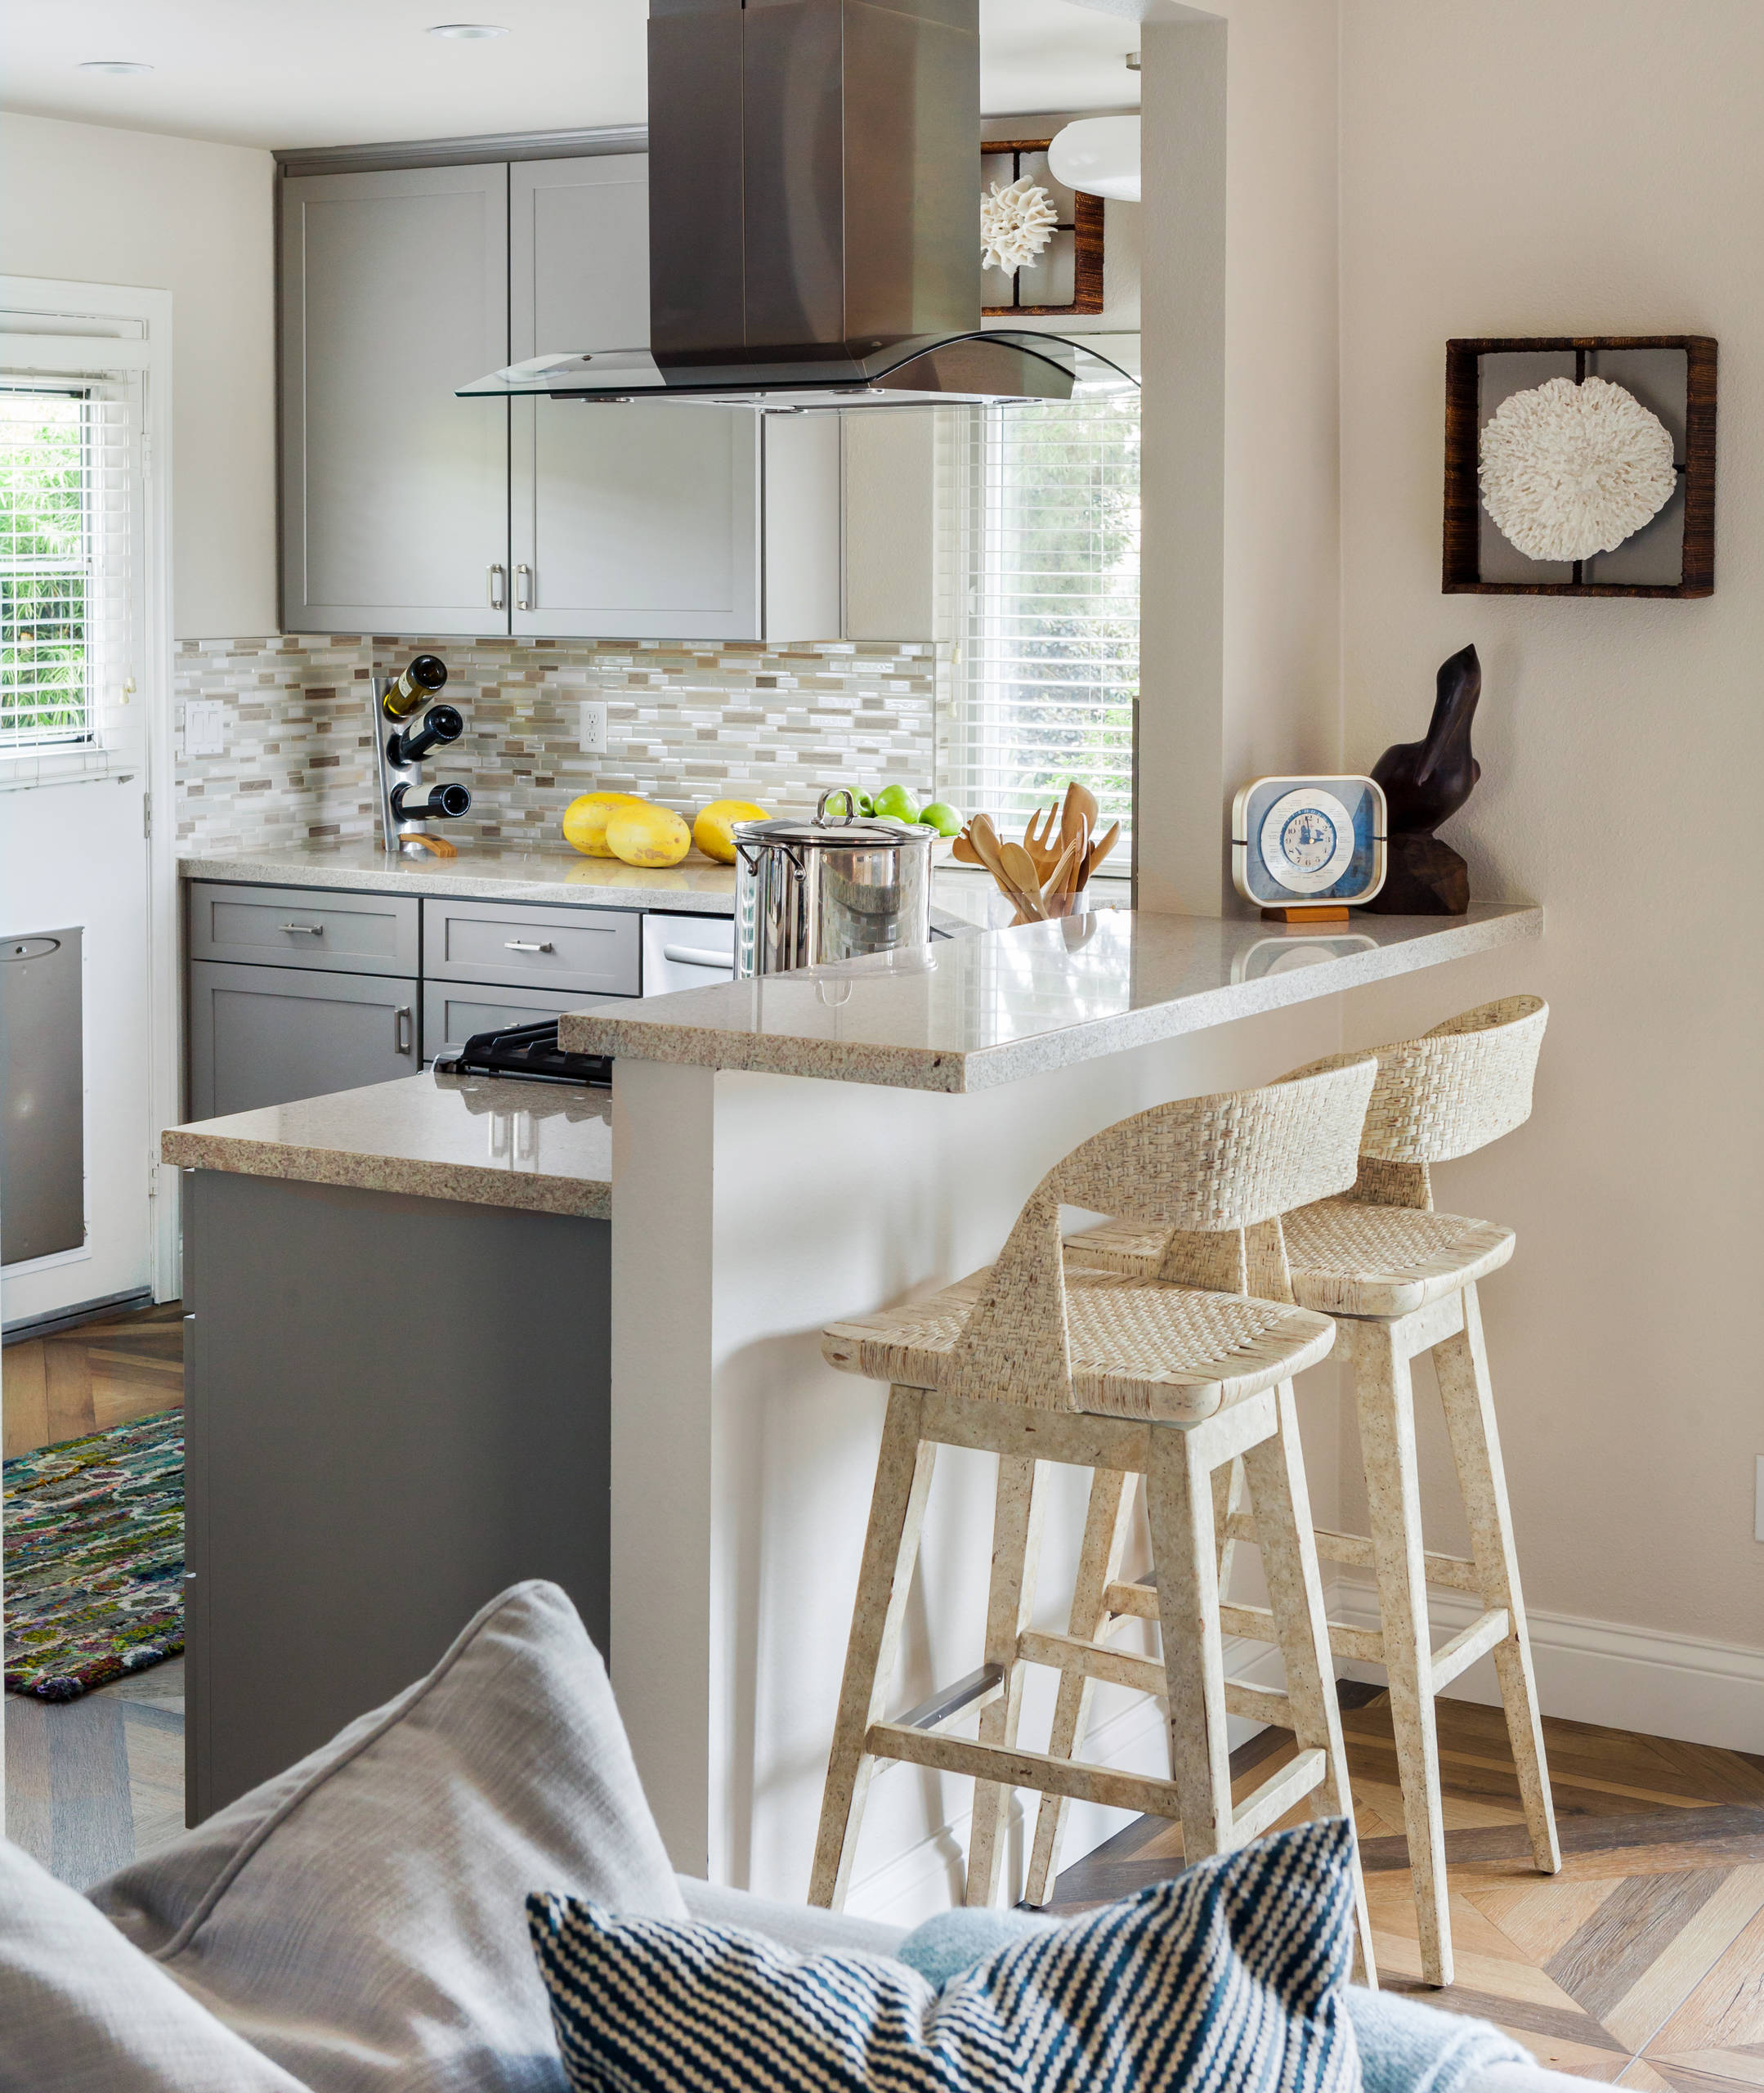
[(1054, 892), (1099, 851), (964, 852), (1019, 869)]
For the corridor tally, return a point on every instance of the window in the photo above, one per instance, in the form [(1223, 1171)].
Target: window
[(63, 528), (1048, 668)]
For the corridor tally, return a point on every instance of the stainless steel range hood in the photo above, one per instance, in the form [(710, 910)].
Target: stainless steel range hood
[(813, 219)]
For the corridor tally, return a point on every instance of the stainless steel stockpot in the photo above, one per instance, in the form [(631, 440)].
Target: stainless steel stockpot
[(832, 888)]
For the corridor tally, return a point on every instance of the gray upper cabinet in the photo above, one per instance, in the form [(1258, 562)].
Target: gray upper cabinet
[(407, 510), (394, 493), (628, 521)]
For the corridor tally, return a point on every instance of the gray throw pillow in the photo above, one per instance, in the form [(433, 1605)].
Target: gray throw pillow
[(359, 1918), (83, 2011)]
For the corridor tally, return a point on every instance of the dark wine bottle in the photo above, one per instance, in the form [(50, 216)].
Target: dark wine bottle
[(415, 687), (441, 724)]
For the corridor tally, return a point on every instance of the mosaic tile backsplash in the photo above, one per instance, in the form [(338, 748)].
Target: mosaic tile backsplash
[(687, 722)]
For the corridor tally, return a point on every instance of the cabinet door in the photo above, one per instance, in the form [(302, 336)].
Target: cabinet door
[(632, 522), (394, 493), (266, 1035)]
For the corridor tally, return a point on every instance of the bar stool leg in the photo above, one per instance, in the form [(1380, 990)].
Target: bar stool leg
[(1179, 1501), (891, 1546), (1228, 1497), (1105, 1537), (1016, 1555), (1275, 1471), (1387, 1447), (1461, 1366)]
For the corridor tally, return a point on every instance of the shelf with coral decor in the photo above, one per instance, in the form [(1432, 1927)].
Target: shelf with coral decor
[(1658, 391), (1083, 230)]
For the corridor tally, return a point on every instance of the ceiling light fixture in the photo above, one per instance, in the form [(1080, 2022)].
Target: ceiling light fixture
[(112, 65), (467, 32)]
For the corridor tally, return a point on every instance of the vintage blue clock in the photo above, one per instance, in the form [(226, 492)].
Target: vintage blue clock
[(1305, 843)]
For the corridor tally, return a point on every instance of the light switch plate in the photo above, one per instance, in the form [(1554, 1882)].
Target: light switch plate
[(205, 728), (592, 732)]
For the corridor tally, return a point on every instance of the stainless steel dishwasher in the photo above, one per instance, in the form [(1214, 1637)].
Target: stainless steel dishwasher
[(42, 1119)]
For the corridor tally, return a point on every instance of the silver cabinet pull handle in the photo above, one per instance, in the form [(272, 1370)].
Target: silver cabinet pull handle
[(520, 944), (698, 955), (309, 929), (498, 595), (402, 1028), (523, 587)]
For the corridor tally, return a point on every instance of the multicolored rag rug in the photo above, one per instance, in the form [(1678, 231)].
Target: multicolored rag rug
[(95, 1558)]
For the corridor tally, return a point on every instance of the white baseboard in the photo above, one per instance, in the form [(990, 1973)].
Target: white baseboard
[(1600, 1671), (928, 1877)]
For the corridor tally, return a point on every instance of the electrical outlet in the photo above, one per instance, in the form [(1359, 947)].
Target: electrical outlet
[(1757, 1514), (593, 733), (205, 728)]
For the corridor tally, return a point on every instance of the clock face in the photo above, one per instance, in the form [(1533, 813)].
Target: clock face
[(1307, 841)]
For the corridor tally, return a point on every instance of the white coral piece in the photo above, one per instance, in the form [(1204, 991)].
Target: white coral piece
[(1571, 470), (1016, 222)]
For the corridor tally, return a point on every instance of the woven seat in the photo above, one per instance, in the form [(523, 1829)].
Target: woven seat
[(1344, 1258), (1139, 1348), (1174, 1375)]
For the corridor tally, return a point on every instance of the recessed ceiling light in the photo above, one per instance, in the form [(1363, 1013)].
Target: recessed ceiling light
[(468, 31), (112, 65)]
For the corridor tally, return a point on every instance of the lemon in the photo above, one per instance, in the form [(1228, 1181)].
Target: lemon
[(643, 835), (585, 820), (713, 832)]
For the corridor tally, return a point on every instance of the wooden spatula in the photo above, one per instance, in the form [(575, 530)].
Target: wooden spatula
[(1099, 851)]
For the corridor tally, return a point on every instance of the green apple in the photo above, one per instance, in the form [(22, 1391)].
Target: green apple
[(896, 801), (942, 817)]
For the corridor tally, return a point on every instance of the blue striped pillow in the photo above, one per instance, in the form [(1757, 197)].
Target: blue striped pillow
[(1227, 1979)]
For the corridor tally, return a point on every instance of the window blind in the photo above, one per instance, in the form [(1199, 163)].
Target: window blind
[(65, 503), (1048, 665)]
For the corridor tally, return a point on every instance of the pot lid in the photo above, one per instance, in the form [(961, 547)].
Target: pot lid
[(848, 830)]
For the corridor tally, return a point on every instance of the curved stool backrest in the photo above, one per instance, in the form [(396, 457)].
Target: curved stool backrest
[(1217, 1172), (1450, 1092)]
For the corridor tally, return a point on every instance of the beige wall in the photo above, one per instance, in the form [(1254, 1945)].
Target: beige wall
[(94, 205), (1593, 166)]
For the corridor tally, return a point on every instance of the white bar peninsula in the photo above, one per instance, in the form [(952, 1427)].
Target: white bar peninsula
[(795, 1149)]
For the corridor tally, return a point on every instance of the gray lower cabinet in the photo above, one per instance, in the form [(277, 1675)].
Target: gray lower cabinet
[(266, 1035), (363, 1471), (453, 1010), (304, 926)]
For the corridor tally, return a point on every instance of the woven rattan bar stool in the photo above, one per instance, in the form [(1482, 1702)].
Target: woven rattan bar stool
[(1400, 1279), (1172, 1376)]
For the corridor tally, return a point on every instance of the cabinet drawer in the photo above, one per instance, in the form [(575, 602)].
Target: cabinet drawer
[(306, 927), (584, 951), (452, 1013)]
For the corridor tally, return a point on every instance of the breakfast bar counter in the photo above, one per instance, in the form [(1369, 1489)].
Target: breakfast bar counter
[(802, 1149)]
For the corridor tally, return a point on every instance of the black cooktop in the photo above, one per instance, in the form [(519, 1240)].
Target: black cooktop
[(526, 1053)]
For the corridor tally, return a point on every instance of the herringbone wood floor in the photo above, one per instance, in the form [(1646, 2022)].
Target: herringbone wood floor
[(87, 1378), (1641, 1963)]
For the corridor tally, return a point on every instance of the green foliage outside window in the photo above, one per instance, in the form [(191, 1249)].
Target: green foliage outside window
[(46, 533)]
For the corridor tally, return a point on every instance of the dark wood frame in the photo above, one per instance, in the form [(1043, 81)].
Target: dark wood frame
[(1461, 563), (1085, 226)]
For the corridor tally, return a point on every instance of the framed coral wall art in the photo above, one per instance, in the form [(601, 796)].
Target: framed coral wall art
[(1066, 274), (1580, 465)]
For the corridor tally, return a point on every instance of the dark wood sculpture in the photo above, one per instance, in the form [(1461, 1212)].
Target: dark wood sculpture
[(1425, 783)]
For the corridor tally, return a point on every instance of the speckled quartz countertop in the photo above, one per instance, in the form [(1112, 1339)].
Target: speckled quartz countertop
[(978, 1011), (498, 871), (545, 1147), (483, 871)]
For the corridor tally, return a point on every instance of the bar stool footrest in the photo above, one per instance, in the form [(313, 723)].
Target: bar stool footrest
[(1012, 1766), (1144, 1674)]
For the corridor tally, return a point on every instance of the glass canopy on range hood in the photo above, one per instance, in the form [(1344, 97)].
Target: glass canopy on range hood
[(993, 367)]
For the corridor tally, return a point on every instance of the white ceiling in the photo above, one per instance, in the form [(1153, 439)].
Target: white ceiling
[(354, 72)]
